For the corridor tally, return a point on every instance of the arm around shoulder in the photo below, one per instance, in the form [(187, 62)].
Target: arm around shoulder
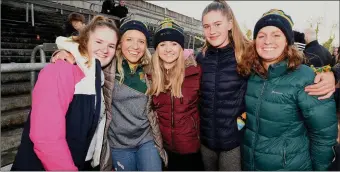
[(321, 122)]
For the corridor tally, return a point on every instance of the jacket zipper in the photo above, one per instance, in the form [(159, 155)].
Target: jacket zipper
[(215, 92), (284, 157), (257, 124), (172, 120)]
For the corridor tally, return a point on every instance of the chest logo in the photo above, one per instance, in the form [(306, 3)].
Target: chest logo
[(275, 92)]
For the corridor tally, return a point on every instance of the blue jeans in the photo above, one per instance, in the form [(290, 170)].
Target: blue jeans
[(145, 157)]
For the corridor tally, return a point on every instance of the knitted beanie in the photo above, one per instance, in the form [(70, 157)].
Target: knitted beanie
[(278, 19), (134, 25), (168, 30)]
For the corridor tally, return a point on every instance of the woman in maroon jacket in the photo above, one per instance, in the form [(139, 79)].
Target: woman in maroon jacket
[(174, 86)]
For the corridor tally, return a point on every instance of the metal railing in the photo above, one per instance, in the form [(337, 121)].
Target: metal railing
[(33, 66)]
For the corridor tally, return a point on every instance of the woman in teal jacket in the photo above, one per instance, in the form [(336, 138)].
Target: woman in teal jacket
[(286, 129)]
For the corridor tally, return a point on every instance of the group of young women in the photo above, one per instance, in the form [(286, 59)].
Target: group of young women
[(114, 106)]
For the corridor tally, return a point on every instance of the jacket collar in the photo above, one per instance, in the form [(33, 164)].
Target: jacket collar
[(277, 69), (127, 68), (213, 50), (311, 44)]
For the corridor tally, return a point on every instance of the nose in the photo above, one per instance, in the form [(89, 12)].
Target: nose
[(135, 45), (104, 49), (168, 48), (268, 40), (212, 30)]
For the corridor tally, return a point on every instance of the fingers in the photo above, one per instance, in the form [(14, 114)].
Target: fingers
[(328, 95), (317, 78), (70, 60), (322, 91), (54, 58), (315, 86)]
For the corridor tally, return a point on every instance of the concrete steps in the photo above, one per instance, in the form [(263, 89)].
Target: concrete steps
[(15, 102), (15, 77), (16, 88)]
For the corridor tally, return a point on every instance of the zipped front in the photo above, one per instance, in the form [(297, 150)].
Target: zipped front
[(258, 107), (172, 120), (215, 92)]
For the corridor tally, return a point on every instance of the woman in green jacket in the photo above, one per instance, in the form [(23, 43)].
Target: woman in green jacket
[(286, 129)]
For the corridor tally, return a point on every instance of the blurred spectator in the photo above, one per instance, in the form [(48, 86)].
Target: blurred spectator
[(335, 55), (108, 7), (75, 22), (299, 40), (316, 54), (120, 10)]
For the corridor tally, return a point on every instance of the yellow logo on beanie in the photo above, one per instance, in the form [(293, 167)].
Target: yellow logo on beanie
[(167, 23)]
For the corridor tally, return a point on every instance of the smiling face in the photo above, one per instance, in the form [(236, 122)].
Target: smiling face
[(133, 45), (216, 27), (169, 52), (78, 25), (102, 44), (270, 44)]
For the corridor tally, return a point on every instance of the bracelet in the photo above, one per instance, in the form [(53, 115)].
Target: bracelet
[(327, 68)]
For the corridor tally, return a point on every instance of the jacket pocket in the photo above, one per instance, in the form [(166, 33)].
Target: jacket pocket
[(284, 154), (195, 127)]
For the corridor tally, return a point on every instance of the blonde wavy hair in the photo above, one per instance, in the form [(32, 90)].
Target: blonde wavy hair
[(235, 35), (145, 60), (162, 80)]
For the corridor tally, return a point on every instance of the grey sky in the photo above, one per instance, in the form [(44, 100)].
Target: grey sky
[(248, 12)]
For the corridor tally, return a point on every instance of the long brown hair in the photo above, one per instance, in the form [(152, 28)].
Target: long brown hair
[(235, 35), (84, 35), (163, 81), (252, 61)]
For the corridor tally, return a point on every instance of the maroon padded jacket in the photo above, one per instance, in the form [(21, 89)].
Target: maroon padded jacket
[(178, 118)]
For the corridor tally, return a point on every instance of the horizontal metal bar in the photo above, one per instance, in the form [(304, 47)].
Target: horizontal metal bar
[(21, 67)]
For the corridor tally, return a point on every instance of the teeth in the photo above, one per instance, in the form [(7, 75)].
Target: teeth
[(100, 56), (133, 53), (268, 49)]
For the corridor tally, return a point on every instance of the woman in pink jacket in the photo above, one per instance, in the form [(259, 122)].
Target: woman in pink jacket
[(67, 106)]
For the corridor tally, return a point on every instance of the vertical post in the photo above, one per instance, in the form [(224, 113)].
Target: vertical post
[(27, 13), (189, 41), (165, 12), (42, 56), (43, 59), (32, 14)]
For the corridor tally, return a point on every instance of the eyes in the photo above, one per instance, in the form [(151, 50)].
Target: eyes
[(276, 35), (110, 46), (139, 40), (172, 43), (215, 25)]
